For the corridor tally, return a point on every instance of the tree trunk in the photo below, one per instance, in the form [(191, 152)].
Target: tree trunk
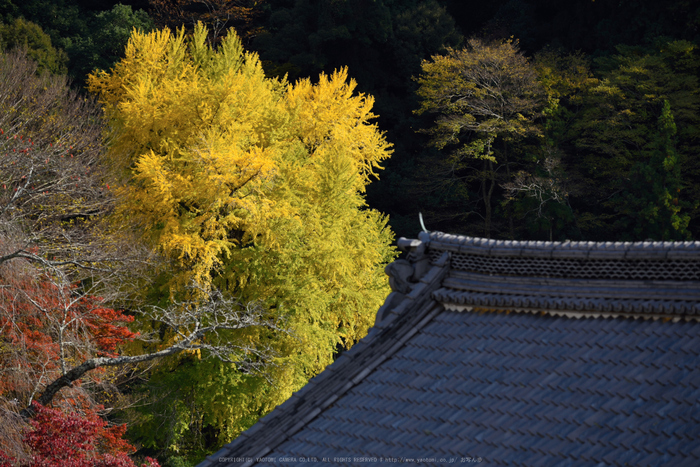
[(509, 206), (488, 182)]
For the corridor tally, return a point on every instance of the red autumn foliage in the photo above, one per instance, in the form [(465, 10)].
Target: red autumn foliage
[(70, 440), (104, 325), (52, 200), (46, 324), (44, 328)]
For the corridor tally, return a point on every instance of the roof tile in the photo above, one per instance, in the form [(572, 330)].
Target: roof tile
[(513, 388)]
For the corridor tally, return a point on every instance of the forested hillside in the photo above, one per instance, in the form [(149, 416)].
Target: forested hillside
[(198, 197)]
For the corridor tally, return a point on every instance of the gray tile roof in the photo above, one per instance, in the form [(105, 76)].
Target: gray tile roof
[(449, 373)]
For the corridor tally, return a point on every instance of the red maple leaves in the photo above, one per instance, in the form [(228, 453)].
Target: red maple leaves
[(45, 327), (58, 439), (47, 324)]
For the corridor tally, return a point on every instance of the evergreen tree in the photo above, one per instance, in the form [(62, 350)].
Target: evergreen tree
[(650, 203), (85, 38), (616, 128)]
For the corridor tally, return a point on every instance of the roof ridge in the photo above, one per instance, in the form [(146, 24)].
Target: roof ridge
[(575, 249)]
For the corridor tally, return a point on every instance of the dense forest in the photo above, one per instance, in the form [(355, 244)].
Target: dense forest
[(198, 197)]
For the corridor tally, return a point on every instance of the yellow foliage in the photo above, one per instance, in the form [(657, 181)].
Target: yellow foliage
[(487, 89), (331, 119), (255, 186), (188, 140)]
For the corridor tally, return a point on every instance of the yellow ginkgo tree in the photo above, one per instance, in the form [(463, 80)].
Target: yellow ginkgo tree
[(254, 187)]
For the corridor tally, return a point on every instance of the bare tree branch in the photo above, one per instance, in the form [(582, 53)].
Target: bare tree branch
[(198, 325)]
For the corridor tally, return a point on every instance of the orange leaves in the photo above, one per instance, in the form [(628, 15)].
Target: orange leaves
[(45, 328), (106, 327)]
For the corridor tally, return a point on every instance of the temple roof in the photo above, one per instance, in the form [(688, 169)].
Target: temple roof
[(515, 353)]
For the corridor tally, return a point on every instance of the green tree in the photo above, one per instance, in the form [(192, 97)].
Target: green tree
[(616, 131), (650, 203), (254, 187), (485, 97), (27, 35), (90, 38), (540, 194), (103, 45), (62, 20)]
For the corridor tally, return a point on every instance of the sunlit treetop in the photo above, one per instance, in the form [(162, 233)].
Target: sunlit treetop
[(255, 187)]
